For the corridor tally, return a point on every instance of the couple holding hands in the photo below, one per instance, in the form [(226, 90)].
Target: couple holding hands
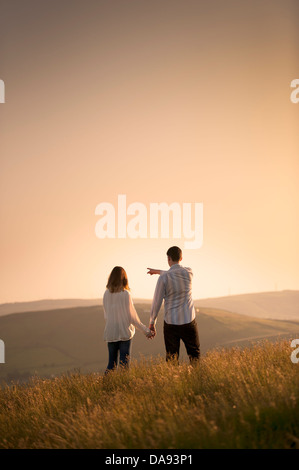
[(175, 288)]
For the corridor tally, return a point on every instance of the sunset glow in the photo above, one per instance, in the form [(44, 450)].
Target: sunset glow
[(160, 103)]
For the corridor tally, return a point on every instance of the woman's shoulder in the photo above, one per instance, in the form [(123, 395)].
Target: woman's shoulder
[(124, 293)]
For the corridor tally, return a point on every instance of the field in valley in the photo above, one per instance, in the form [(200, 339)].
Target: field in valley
[(234, 398)]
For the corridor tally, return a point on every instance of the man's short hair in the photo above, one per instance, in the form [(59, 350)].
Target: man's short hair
[(175, 253)]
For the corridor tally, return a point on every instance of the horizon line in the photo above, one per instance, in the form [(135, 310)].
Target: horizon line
[(141, 298)]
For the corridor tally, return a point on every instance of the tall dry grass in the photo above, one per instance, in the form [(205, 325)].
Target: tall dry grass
[(232, 399)]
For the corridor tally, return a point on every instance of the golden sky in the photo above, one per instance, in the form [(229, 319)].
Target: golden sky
[(164, 101)]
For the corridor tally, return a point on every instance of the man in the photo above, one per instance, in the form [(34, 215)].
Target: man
[(175, 287)]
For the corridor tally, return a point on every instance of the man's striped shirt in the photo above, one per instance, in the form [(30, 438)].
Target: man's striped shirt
[(175, 287)]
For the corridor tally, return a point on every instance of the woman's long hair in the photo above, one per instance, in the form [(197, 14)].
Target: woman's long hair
[(118, 280)]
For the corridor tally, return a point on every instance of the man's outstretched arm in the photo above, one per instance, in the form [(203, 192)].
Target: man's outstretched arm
[(152, 271)]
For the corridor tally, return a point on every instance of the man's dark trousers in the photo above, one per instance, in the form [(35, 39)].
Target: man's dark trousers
[(188, 333)]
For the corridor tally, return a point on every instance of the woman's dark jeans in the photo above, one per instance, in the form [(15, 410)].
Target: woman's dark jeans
[(123, 348)]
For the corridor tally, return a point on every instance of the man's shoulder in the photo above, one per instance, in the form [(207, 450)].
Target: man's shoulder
[(162, 277), (179, 270), (186, 268)]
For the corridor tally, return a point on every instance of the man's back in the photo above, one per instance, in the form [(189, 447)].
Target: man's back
[(175, 287)]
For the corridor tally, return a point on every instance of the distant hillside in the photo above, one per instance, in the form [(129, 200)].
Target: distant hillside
[(51, 342), (283, 305), (46, 304), (52, 304)]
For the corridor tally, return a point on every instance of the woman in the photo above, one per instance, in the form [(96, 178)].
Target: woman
[(121, 318)]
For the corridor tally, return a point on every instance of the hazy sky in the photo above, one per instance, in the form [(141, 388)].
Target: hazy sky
[(161, 100)]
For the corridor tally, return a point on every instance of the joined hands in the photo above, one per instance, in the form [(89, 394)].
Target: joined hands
[(152, 332)]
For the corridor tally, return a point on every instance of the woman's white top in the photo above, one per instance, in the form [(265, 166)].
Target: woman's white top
[(121, 316)]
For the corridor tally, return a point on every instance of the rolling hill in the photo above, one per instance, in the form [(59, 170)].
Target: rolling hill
[(45, 304), (281, 305), (51, 342)]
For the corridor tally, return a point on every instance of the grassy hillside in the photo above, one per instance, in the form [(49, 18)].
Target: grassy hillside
[(234, 398), (52, 342)]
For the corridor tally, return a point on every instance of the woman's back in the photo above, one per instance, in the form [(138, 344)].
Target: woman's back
[(121, 316)]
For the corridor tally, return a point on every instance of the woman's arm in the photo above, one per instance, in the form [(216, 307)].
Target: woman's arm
[(135, 320), (105, 304)]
